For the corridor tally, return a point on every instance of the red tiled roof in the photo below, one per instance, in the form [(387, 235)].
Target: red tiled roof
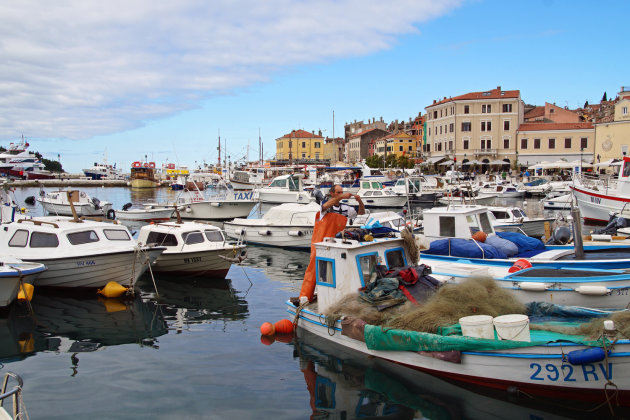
[(536, 126), (365, 132), (490, 94), (538, 111), (301, 134)]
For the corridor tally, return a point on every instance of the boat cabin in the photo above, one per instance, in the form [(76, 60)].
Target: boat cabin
[(181, 236), (344, 266), (456, 221), (287, 182)]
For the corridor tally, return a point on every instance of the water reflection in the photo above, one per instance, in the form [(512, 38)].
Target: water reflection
[(279, 264), (185, 301), (345, 384), (78, 324)]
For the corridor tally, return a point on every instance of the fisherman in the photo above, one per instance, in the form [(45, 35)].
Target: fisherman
[(332, 219)]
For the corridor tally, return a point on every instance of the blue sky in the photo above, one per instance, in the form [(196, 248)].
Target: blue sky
[(135, 78)]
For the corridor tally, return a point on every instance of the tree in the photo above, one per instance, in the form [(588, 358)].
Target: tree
[(604, 98), (52, 165), (586, 104), (374, 161)]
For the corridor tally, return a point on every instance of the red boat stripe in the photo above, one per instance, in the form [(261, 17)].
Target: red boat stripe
[(608, 197)]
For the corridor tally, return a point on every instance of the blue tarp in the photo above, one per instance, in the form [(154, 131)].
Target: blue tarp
[(523, 242), (466, 248)]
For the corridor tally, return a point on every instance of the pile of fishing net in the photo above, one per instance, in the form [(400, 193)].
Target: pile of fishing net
[(482, 296)]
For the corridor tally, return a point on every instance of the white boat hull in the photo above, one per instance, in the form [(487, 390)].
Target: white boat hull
[(280, 197), (270, 235), (536, 370), (379, 201), (95, 271), (198, 263), (144, 215), (81, 209), (10, 280), (597, 206), (217, 210)]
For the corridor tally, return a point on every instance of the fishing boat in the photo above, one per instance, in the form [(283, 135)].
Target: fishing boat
[(373, 194), (539, 362), (78, 253), (514, 218), (143, 175), (559, 202), (284, 189), (13, 274), (288, 225), (247, 179), (597, 200), (61, 203), (192, 248)]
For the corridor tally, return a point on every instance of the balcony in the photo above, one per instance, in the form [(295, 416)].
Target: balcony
[(491, 152)]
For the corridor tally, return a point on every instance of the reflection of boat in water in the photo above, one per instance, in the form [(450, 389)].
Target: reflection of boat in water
[(78, 324), (347, 384), (279, 264), (195, 301)]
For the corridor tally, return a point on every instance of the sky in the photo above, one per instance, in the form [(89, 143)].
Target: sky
[(119, 80)]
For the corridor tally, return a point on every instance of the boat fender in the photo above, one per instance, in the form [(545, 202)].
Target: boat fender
[(30, 200), (239, 231), (532, 286), (26, 292), (520, 265), (112, 289), (264, 232), (593, 290), (215, 204), (111, 214), (188, 209), (296, 233), (589, 355)]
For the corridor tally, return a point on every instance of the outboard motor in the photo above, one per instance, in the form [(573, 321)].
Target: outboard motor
[(30, 200), (319, 196), (126, 206), (615, 222), (97, 203), (560, 236)]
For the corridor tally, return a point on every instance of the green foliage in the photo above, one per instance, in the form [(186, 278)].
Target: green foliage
[(391, 161), (375, 161), (52, 165)]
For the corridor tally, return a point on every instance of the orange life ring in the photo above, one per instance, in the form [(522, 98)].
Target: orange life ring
[(171, 166), (151, 164), (520, 265), (136, 165)]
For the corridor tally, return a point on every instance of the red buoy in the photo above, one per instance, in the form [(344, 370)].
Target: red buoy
[(267, 328), (520, 265), (284, 326)]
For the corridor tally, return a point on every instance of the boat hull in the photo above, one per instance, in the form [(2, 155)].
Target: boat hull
[(143, 183), (81, 209), (217, 210), (280, 197), (536, 370), (10, 279), (596, 206), (197, 263), (269, 235), (138, 215)]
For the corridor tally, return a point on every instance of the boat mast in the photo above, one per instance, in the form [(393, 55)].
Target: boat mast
[(219, 149)]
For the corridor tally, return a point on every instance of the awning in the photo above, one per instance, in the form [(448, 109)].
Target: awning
[(448, 162), (499, 162), (435, 159), (611, 162), (471, 162)]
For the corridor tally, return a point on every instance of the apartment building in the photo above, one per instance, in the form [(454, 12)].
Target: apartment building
[(612, 133), (300, 145), (356, 127), (359, 144), (400, 144), (477, 126), (549, 141)]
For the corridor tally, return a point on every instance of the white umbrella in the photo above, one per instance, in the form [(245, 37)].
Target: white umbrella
[(448, 162), (471, 162), (611, 162), (499, 162)]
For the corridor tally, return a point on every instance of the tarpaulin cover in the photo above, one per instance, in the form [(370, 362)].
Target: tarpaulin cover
[(379, 338), (466, 248), (509, 248), (523, 242)]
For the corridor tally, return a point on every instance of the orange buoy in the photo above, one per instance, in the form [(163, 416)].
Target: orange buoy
[(267, 340), (520, 265), (480, 236), (267, 328), (284, 326)]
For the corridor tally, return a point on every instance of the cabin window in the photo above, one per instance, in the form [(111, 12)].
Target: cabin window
[(44, 240), (378, 192), (367, 268), (376, 185), (193, 238), (473, 224), (293, 184), (447, 226), (160, 238), (486, 226), (19, 238), (85, 237), (368, 193), (395, 258), (365, 185), (325, 272), (500, 214), (281, 183), (626, 169), (214, 236), (517, 213), (117, 234)]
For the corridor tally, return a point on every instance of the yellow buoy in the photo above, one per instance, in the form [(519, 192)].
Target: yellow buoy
[(112, 289), (26, 292)]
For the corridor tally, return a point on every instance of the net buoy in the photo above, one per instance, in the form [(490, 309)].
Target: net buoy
[(112, 289), (520, 265), (267, 328), (26, 292), (480, 236), (284, 326)]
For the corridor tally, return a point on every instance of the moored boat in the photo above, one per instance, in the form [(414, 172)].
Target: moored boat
[(143, 175), (13, 274), (61, 203)]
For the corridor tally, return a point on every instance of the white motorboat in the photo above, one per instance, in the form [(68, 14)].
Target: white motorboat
[(288, 225), (514, 218), (77, 253), (500, 189), (61, 202), (373, 194), (284, 189), (541, 363), (192, 248), (13, 273), (561, 202), (9, 209), (147, 214), (224, 204), (103, 171), (247, 179), (418, 190)]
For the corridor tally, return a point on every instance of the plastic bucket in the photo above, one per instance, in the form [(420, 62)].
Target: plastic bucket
[(512, 327), (478, 326)]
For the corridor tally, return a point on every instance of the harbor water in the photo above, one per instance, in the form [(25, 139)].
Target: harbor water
[(191, 348)]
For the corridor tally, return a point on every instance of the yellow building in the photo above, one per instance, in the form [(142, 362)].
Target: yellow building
[(612, 138), (400, 144), (538, 142), (300, 144)]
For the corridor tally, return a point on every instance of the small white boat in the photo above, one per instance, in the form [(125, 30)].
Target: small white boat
[(146, 214), (224, 204), (418, 190), (192, 248), (562, 202), (78, 253), (373, 194), (500, 189), (12, 274), (60, 203), (515, 219), (284, 189), (247, 179), (287, 225)]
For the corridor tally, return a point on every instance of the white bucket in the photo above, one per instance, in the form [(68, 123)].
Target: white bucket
[(479, 326), (512, 327)]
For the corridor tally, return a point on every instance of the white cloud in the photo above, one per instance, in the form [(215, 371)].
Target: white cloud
[(76, 69)]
